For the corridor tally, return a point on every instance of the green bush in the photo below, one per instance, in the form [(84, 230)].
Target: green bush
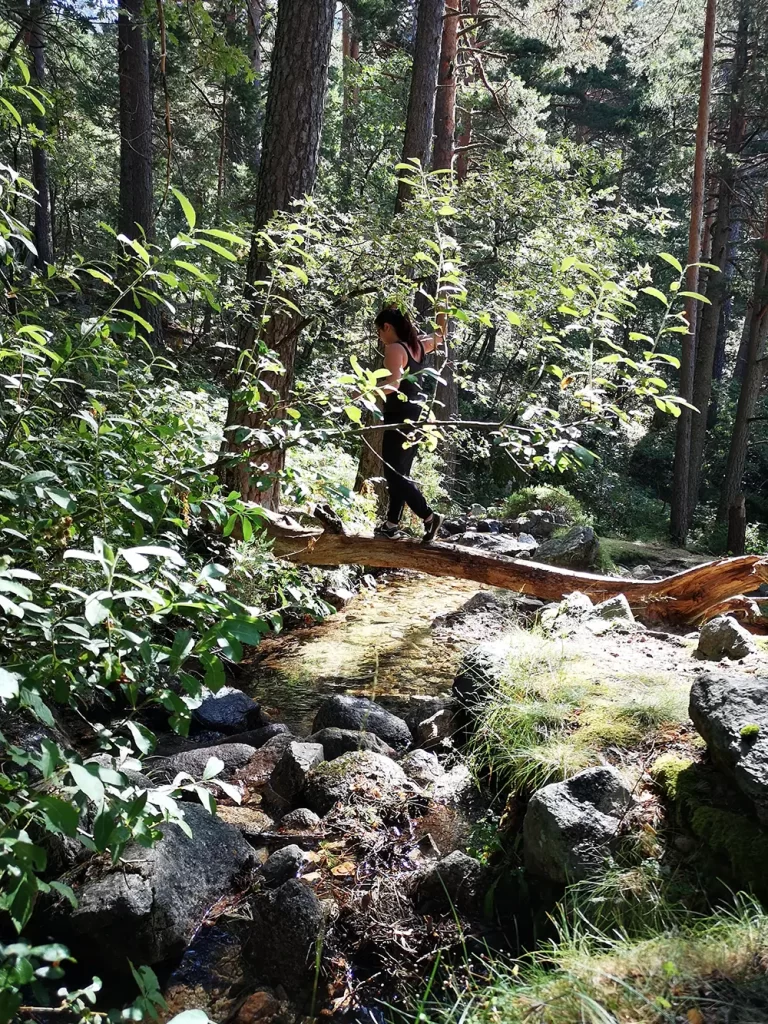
[(547, 497)]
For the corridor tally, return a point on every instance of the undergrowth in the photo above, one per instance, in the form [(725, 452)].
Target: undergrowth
[(557, 707)]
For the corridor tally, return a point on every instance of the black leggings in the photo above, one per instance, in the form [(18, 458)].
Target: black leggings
[(397, 467)]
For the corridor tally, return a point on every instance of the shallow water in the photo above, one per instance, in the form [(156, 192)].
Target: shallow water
[(383, 644)]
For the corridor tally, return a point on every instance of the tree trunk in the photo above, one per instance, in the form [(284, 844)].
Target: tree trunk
[(750, 388), (681, 472), (256, 10), (136, 213), (465, 135), (350, 55), (290, 148), (717, 284), (687, 597), (40, 177), (421, 98)]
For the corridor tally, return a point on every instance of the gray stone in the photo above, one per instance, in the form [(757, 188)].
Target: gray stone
[(480, 671), (148, 908), (497, 543), (282, 865), (212, 972), (577, 549), (422, 767), (300, 820), (194, 762), (258, 737), (229, 710), (457, 881), (360, 776), (437, 730), (643, 572), (565, 617), (539, 523), (457, 788), (249, 820), (720, 708), (336, 742), (363, 715), (571, 827), (290, 773), (288, 924), (615, 609), (723, 637)]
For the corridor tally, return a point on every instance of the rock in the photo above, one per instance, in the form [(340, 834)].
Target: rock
[(290, 773), (288, 923), (538, 523), (615, 609), (477, 511), (422, 767), (480, 671), (282, 865), (574, 609), (233, 755), (132, 776), (457, 788), (360, 776), (577, 549), (369, 581), (261, 765), (258, 737), (457, 881), (436, 730), (337, 597), (262, 1007), (454, 526), (300, 820), (571, 827), (251, 821), (642, 572), (498, 543), (148, 908), (336, 742), (721, 707), (229, 710), (422, 707), (363, 715), (725, 637)]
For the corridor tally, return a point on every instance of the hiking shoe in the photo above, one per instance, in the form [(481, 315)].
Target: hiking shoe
[(391, 532), (431, 527)]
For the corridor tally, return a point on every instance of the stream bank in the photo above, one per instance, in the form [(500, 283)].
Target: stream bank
[(353, 844)]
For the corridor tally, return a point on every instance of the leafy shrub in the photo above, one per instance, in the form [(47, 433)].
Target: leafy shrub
[(547, 497)]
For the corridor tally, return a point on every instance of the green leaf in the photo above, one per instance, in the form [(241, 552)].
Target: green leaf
[(138, 319), (214, 672), (214, 766), (183, 645), (103, 827), (87, 781), (215, 247), (186, 207), (192, 269), (353, 413), (142, 737), (11, 110), (697, 296), (246, 629), (64, 890), (9, 684), (656, 294), (670, 259), (226, 236), (97, 608), (514, 318), (60, 815)]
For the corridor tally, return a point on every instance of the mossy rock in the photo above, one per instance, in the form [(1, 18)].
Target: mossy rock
[(735, 846)]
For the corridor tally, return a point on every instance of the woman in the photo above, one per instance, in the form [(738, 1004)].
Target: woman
[(405, 352)]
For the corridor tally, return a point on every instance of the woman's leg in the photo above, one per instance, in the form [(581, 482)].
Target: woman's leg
[(397, 467)]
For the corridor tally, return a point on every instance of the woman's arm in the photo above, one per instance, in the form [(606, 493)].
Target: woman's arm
[(395, 360), (432, 342)]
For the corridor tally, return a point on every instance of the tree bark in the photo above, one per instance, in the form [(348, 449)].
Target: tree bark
[(136, 197), (717, 284), (465, 135), (750, 388), (681, 472), (290, 148), (256, 9), (350, 94), (421, 98), (40, 176), (445, 97), (687, 597)]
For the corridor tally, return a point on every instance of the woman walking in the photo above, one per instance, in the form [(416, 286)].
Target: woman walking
[(405, 352)]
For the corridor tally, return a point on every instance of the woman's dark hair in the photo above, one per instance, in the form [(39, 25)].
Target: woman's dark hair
[(404, 329)]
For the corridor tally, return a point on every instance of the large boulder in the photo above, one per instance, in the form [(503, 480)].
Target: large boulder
[(615, 609), (498, 543), (360, 776), (288, 924), (290, 773), (362, 715), (724, 637), (229, 710), (336, 742), (194, 762), (148, 907), (577, 549), (571, 827), (258, 737), (732, 716)]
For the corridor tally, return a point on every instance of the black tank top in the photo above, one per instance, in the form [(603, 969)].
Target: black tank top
[(395, 409)]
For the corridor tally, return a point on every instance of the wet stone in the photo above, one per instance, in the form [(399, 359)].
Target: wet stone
[(336, 742), (362, 715), (229, 710)]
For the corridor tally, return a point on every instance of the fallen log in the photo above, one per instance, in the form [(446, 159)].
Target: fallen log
[(688, 597)]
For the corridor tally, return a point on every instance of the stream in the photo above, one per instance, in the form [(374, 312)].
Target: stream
[(384, 644)]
